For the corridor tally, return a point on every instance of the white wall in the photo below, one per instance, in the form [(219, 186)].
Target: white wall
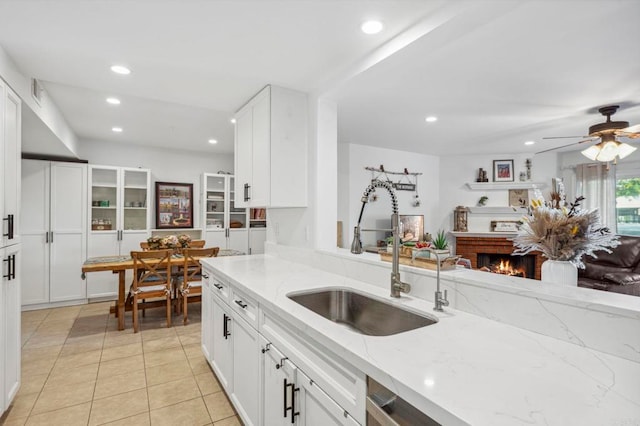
[(354, 179), (457, 170), (166, 165), (47, 111)]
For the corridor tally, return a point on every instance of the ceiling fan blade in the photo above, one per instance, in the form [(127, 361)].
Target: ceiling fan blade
[(564, 146), (632, 129), (564, 137)]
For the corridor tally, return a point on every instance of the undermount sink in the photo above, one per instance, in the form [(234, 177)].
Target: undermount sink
[(361, 313)]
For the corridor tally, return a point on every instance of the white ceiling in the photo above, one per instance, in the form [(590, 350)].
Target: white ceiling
[(496, 73)]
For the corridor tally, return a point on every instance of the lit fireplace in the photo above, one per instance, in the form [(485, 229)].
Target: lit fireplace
[(516, 266)]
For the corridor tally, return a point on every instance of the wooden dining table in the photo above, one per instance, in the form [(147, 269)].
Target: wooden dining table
[(119, 265)]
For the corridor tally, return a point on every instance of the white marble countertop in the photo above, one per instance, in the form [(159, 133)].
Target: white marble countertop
[(464, 370)]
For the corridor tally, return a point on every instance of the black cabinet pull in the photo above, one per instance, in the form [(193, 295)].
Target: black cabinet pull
[(293, 401), (9, 233), (246, 192), (242, 305), (218, 286), (46, 237), (11, 267), (205, 276), (266, 348), (225, 327)]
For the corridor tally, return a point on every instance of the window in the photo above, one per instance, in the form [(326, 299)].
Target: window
[(628, 203)]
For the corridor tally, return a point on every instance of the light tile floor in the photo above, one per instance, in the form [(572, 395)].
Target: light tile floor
[(78, 369)]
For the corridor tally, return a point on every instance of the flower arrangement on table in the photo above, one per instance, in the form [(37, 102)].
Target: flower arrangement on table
[(169, 242), (562, 232)]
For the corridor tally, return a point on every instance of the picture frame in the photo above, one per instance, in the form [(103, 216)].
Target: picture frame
[(174, 205), (503, 171), (519, 198), (411, 227)]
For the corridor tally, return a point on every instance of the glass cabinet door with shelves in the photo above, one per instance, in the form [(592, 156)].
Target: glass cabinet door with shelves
[(104, 199), (215, 202), (136, 200), (237, 215)]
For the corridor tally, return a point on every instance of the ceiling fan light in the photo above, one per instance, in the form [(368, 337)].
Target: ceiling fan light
[(608, 151), (624, 149), (592, 152)]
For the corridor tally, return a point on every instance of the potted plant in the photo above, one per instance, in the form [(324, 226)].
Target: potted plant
[(440, 243)]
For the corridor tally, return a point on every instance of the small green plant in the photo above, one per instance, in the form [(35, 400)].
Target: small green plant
[(440, 241)]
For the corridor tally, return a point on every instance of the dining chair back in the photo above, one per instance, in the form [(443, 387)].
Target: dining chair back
[(197, 244), (144, 245), (151, 279), (190, 282)]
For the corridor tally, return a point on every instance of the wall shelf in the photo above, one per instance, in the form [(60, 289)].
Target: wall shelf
[(497, 186)]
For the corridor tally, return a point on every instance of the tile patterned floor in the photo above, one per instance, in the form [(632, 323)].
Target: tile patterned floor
[(78, 369)]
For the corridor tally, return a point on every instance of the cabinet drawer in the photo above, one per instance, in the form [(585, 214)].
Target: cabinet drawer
[(341, 381), (246, 307), (219, 287)]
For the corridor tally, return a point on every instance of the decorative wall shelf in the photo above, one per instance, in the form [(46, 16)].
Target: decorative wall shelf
[(497, 186), (498, 210)]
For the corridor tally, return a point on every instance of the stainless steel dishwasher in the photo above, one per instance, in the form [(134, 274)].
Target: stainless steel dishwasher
[(384, 408)]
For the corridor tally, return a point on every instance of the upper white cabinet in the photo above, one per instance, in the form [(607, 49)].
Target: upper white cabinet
[(120, 218), (54, 223), (10, 147), (225, 224), (271, 150)]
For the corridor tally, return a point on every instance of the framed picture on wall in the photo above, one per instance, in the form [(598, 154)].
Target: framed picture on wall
[(174, 205), (503, 170)]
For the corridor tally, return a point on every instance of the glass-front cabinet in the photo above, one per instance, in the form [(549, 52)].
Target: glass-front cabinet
[(226, 226), (120, 218)]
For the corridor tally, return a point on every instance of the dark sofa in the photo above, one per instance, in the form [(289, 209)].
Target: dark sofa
[(617, 272)]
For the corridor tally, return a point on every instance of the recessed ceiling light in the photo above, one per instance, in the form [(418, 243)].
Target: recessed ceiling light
[(371, 27), (530, 142), (119, 69), (213, 141), (233, 121), (116, 129), (113, 101), (431, 119)]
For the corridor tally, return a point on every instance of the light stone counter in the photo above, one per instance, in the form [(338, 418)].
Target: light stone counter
[(464, 370)]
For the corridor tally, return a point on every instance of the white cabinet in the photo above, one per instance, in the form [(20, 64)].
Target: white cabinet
[(222, 359), (226, 225), (207, 316), (271, 374), (271, 149), (120, 217), (9, 325), (54, 230), (10, 148)]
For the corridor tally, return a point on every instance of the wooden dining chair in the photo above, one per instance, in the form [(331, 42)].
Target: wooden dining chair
[(151, 279), (144, 245), (197, 244), (190, 283)]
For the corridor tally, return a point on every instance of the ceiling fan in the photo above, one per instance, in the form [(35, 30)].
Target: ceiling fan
[(608, 148)]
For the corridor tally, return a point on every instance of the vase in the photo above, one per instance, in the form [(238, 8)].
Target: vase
[(560, 272)]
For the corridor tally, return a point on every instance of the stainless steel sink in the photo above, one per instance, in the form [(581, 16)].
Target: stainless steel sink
[(361, 313)]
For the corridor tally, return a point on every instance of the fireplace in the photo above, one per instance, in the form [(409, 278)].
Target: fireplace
[(506, 264), (476, 247)]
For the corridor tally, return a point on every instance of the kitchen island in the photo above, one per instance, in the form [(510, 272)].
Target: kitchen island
[(463, 370)]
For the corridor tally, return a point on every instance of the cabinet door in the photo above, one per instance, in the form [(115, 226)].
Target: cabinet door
[(242, 157), (35, 231), (134, 200), (239, 240), (205, 335), (67, 242), (105, 198), (10, 207), (260, 152), (216, 238), (315, 407), (277, 373), (102, 284), (10, 323), (257, 238), (222, 360), (246, 371)]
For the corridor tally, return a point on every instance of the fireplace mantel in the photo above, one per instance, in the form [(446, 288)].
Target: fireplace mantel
[(469, 244)]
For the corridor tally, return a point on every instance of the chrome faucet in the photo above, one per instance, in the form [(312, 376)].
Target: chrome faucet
[(439, 300), (397, 286)]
